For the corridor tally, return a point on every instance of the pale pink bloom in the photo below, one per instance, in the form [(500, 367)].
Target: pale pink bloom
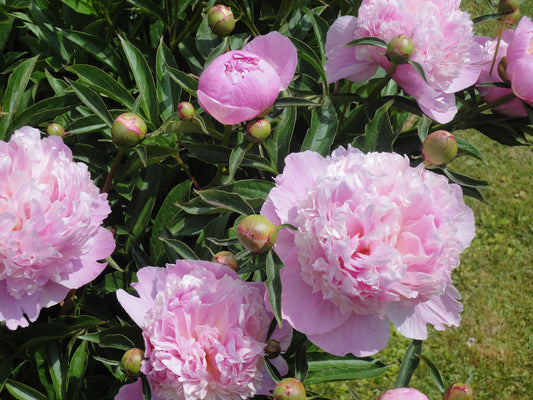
[(514, 107), (204, 330), (51, 236), (443, 40), (242, 84), (402, 394), (376, 241), (520, 61)]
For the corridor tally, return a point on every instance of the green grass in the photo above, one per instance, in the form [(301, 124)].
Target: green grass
[(494, 342)]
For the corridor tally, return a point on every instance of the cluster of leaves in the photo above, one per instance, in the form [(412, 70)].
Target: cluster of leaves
[(182, 192)]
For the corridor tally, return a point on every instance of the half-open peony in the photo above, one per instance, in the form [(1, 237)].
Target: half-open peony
[(205, 332), (51, 236), (402, 394), (443, 45), (242, 84), (376, 241)]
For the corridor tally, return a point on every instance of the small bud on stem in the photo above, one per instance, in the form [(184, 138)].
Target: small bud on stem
[(227, 258), (257, 233), (400, 49), (131, 362), (128, 130), (439, 148), (289, 389), (221, 20)]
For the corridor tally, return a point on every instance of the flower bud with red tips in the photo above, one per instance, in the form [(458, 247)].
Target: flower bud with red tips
[(508, 6), (257, 233), (185, 111), (226, 258), (55, 129), (459, 391), (220, 19), (131, 362), (272, 349), (128, 130), (258, 130), (400, 49), (439, 148), (289, 389)]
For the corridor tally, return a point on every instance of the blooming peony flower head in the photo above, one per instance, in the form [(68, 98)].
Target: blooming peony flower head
[(204, 330), (443, 45), (51, 236), (242, 84), (376, 241), (402, 394)]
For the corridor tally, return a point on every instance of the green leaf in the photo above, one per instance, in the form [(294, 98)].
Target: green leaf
[(147, 390), (295, 102), (21, 391), (301, 365), (379, 134), (81, 6), (180, 248), (273, 284), (14, 92), (103, 83), (369, 40), (144, 80), (76, 371), (187, 83), (151, 8), (235, 159), (282, 135), (42, 371), (324, 367), (217, 51), (57, 369), (434, 372), (116, 341), (423, 127), (420, 70), (321, 133), (307, 53), (465, 180), (226, 200), (466, 148), (410, 361), (484, 18), (168, 92), (93, 101)]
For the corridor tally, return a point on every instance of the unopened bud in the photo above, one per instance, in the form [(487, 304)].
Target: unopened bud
[(508, 6), (226, 258), (459, 391), (220, 19), (272, 349), (131, 362), (439, 148), (400, 49), (289, 389), (512, 18), (55, 129), (185, 111), (128, 130), (258, 130), (257, 233)]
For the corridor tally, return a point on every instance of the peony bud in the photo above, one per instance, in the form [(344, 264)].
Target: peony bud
[(185, 111), (439, 148), (289, 389), (272, 349), (508, 6), (258, 130), (220, 19), (511, 18), (400, 49), (459, 391), (257, 233), (55, 129), (226, 258), (502, 70), (131, 362), (128, 130)]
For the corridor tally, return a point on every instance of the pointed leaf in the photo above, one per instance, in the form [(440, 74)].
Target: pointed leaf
[(77, 368), (187, 83), (369, 40), (321, 133), (409, 363), (93, 101), (20, 391), (151, 8), (168, 92), (273, 284), (179, 247), (227, 200), (434, 372), (379, 134), (235, 160)]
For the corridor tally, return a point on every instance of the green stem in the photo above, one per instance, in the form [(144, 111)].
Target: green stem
[(186, 30), (109, 180), (409, 363)]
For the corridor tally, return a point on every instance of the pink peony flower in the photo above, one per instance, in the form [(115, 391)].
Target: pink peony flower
[(376, 241), (204, 330), (403, 394), (242, 84), (51, 236), (443, 45)]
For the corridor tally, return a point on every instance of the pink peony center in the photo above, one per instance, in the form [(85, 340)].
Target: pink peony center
[(238, 66)]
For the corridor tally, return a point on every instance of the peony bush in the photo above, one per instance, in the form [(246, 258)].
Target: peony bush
[(205, 201)]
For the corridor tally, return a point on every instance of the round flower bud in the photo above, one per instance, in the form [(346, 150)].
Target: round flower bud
[(220, 19), (131, 362), (289, 389), (55, 129), (226, 258), (439, 148), (508, 6), (258, 130), (257, 233), (512, 18), (272, 349), (128, 130), (400, 49), (185, 111), (459, 391), (502, 70)]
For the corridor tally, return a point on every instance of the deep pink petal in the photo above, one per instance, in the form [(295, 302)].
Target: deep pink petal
[(361, 335), (522, 82), (279, 52), (226, 114), (132, 391)]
